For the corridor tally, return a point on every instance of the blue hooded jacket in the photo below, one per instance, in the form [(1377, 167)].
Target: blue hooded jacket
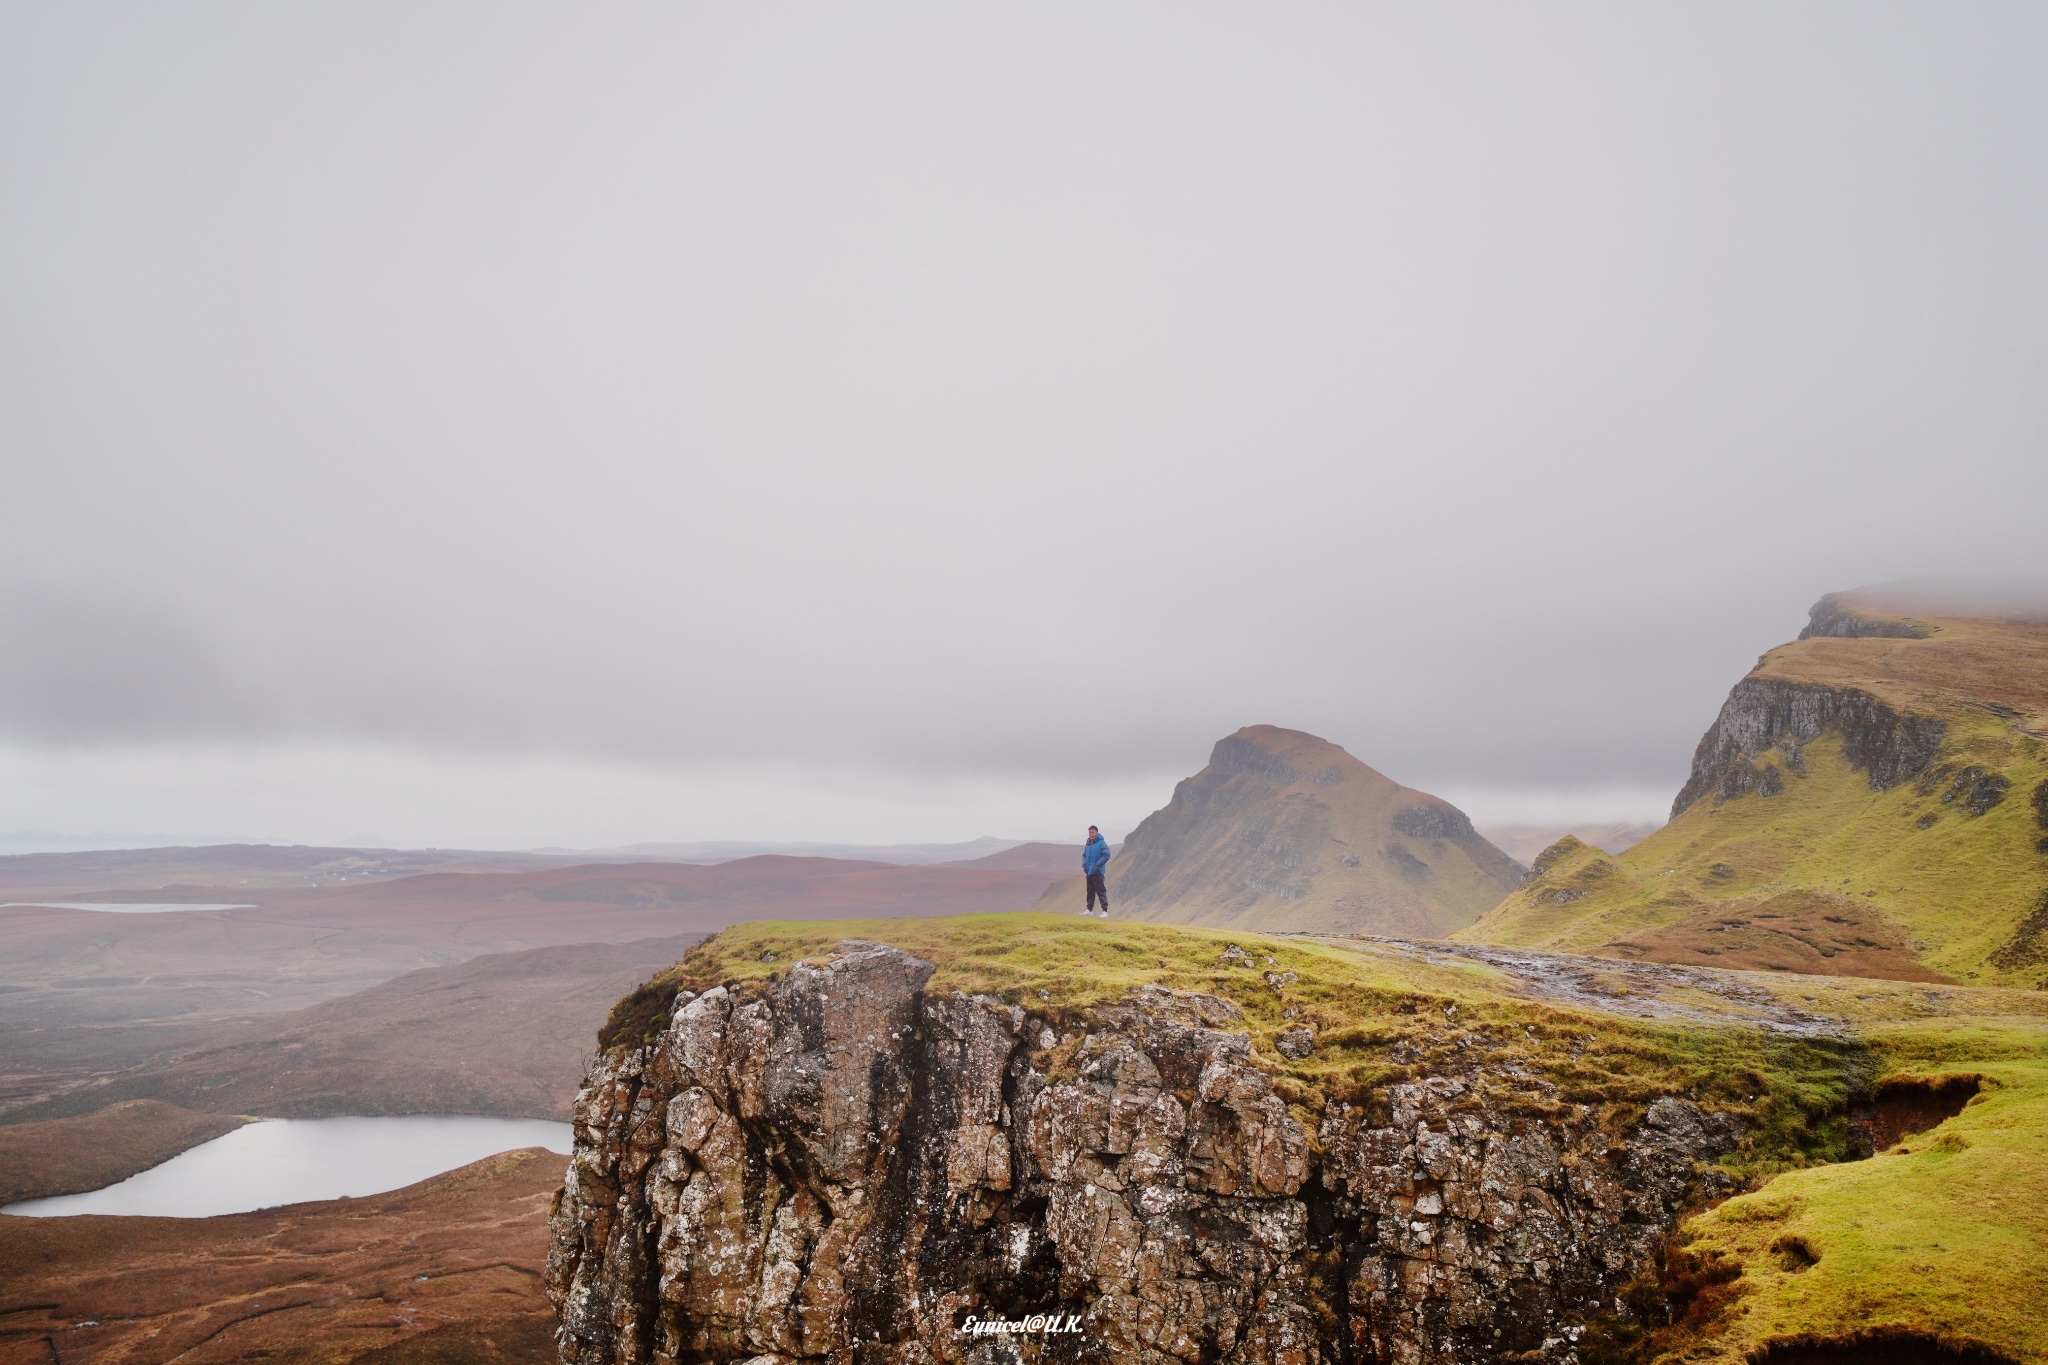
[(1095, 855)]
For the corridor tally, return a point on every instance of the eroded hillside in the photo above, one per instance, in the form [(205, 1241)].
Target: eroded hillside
[(1871, 801)]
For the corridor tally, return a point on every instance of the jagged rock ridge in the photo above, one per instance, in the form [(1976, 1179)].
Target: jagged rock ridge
[(848, 1168), (1763, 714), (1837, 615), (1285, 831)]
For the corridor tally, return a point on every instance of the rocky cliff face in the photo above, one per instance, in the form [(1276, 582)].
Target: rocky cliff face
[(1762, 714), (851, 1169), (1836, 615)]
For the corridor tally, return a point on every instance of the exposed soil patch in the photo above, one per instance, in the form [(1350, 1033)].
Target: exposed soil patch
[(1905, 1106), (446, 1270), (1878, 1346), (521, 1339), (1638, 990), (1795, 1254), (1815, 932)]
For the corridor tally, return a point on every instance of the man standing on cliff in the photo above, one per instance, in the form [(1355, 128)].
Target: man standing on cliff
[(1094, 858)]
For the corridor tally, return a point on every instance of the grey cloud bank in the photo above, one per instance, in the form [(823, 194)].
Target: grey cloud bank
[(951, 402)]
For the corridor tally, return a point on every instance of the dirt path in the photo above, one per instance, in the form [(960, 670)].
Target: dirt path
[(1638, 990)]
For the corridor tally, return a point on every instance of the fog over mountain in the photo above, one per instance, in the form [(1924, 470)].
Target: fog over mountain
[(498, 425)]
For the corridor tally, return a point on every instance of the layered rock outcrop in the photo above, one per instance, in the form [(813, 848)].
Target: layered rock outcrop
[(1836, 616), (852, 1169), (1762, 714)]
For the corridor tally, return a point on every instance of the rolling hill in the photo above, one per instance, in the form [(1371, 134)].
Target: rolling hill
[(1040, 859), (443, 1271), (503, 1034), (88, 993), (1524, 843), (1285, 831), (1872, 800)]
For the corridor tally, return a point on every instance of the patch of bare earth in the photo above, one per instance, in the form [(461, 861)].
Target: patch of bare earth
[(1637, 990), (1878, 1346), (443, 1271), (1793, 931), (1908, 1105)]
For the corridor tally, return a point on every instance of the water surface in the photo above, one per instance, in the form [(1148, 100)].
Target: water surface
[(120, 907), (289, 1161)]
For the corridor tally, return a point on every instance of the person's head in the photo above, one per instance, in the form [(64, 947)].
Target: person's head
[(1094, 833)]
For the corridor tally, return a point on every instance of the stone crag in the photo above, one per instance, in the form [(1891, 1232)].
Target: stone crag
[(849, 1169), (1762, 714), (1835, 615)]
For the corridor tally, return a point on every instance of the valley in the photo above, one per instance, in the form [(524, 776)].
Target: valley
[(395, 985), (443, 1271), (87, 995)]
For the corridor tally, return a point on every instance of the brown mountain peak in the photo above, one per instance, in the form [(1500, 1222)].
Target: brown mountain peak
[(1285, 830)]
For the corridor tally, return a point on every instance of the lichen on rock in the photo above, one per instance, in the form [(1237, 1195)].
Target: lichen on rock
[(1887, 745), (847, 1168)]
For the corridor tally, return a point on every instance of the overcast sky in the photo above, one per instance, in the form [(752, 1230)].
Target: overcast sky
[(504, 425)]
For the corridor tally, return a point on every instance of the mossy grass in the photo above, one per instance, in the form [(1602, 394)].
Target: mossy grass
[(1944, 1235), (1378, 1020), (1958, 886)]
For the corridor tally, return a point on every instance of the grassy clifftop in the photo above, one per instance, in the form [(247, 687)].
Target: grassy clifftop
[(1944, 1234), (1903, 834), (1940, 1234), (1922, 655), (1378, 1019)]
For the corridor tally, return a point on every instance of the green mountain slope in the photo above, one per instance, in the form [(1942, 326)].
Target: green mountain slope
[(1285, 831), (1871, 801)]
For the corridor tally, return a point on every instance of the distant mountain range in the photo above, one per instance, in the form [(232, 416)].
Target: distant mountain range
[(725, 850), (238, 866), (1524, 843), (85, 993)]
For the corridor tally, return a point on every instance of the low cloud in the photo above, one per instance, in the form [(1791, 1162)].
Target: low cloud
[(1004, 399)]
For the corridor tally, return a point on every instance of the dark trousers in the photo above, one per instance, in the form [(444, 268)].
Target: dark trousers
[(1097, 891)]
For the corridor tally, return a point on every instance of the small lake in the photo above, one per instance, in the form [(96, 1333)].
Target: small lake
[(289, 1161), (120, 907)]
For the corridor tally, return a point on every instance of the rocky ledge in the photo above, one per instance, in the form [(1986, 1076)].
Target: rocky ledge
[(1762, 714), (851, 1169), (1834, 616)]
